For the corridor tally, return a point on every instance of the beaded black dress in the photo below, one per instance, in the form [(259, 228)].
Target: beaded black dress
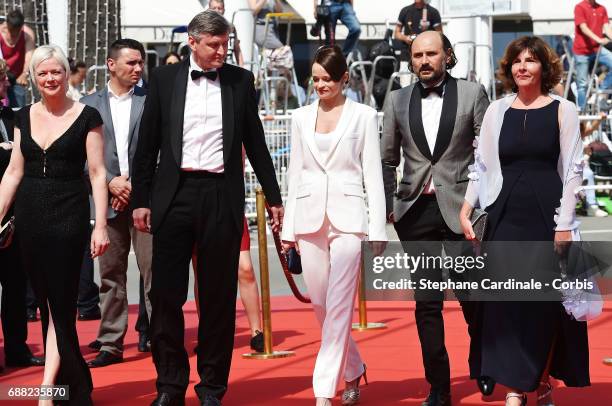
[(52, 216)]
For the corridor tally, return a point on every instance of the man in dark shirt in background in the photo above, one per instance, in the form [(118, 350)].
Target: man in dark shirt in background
[(413, 20)]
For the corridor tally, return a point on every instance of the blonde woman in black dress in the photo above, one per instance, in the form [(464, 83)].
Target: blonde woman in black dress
[(53, 140)]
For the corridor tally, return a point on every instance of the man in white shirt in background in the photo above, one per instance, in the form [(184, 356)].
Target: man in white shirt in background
[(78, 72), (120, 104)]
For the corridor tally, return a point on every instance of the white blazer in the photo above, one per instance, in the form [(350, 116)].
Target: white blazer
[(334, 186)]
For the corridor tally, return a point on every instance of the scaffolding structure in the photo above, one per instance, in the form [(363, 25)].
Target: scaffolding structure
[(93, 25)]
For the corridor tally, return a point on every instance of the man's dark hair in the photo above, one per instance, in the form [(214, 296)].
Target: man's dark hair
[(208, 22), (113, 50), (446, 45), (14, 19), (76, 65)]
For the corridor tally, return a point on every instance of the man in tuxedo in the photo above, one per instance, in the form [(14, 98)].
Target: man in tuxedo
[(12, 275), (197, 116), (120, 104), (434, 122)]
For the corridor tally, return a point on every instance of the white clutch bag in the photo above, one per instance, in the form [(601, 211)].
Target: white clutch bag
[(581, 304)]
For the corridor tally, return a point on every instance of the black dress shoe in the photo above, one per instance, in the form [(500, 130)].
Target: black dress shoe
[(210, 400), (257, 342), (104, 358), (144, 345), (486, 385), (28, 360), (437, 398), (31, 315), (95, 345), (95, 315), (166, 399)]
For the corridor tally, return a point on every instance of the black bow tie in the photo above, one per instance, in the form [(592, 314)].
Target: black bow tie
[(426, 91), (210, 75)]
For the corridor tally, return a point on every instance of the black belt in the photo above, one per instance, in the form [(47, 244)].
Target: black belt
[(203, 175)]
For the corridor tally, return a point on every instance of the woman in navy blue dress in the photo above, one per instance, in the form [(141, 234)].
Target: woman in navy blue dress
[(527, 161)]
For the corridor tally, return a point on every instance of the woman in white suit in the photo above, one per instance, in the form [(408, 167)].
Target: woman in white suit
[(334, 153)]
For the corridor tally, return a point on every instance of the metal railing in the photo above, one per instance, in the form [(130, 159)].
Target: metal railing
[(277, 131), (92, 74), (263, 75)]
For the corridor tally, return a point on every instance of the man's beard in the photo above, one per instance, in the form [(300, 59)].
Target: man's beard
[(434, 79)]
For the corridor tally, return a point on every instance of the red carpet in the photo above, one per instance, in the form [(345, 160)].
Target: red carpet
[(393, 357)]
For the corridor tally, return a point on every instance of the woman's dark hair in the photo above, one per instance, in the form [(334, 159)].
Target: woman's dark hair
[(332, 60), (540, 50), (448, 48), (168, 55)]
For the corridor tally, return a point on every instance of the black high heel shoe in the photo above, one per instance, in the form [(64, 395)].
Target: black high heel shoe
[(351, 396)]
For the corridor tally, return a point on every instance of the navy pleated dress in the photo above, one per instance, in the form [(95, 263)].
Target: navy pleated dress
[(518, 336)]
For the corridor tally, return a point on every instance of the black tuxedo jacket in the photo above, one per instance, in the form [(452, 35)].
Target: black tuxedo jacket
[(154, 184)]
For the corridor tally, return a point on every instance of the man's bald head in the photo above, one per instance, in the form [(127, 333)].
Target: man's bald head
[(431, 54), (432, 38)]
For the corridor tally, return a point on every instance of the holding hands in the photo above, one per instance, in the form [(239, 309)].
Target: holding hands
[(276, 222), (121, 190)]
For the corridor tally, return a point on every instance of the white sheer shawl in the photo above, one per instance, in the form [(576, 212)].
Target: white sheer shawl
[(485, 174)]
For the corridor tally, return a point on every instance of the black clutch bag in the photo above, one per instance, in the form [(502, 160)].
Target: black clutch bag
[(294, 263), (6, 233), (479, 223)]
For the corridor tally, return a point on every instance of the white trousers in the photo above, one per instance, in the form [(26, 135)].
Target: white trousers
[(331, 262)]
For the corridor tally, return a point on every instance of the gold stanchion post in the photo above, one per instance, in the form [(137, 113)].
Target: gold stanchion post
[(268, 353), (363, 324)]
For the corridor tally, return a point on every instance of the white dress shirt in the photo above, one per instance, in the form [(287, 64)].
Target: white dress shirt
[(431, 110), (121, 107), (202, 124), (74, 93)]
